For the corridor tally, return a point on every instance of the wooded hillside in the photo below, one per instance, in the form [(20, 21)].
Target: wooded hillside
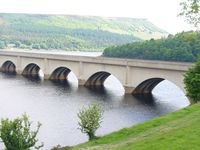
[(183, 46), (72, 32)]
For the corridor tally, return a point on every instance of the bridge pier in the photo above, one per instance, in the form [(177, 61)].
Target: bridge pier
[(46, 76), (18, 71), (128, 89), (81, 82)]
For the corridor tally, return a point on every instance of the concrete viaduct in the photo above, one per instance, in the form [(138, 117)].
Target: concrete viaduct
[(136, 76)]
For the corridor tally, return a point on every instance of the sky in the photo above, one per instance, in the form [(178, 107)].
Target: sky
[(162, 13)]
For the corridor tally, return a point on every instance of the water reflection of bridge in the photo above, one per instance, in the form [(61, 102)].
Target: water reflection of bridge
[(136, 76)]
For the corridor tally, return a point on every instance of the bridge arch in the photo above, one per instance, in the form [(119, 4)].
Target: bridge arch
[(31, 70), (60, 74), (8, 67), (147, 86), (97, 79)]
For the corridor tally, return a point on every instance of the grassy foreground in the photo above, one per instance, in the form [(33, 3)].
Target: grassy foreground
[(177, 131)]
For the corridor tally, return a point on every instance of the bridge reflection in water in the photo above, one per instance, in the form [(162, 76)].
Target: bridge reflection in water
[(96, 83)]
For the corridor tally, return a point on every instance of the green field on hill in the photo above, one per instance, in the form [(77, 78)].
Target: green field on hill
[(176, 131), (70, 32)]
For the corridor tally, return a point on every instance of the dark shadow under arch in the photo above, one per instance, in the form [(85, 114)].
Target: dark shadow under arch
[(8, 67), (31, 71), (97, 79), (147, 86), (60, 75)]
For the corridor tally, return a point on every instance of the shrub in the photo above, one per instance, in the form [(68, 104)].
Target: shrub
[(2, 44), (16, 134), (192, 82), (90, 119)]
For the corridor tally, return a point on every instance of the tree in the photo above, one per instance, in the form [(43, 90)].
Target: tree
[(17, 44), (192, 82), (43, 46), (2, 44), (90, 119), (36, 46), (17, 135), (191, 11)]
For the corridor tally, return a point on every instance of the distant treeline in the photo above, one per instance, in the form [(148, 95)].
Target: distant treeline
[(183, 47), (37, 37)]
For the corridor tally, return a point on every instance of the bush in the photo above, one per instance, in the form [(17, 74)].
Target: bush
[(192, 82), (23, 46), (2, 44), (90, 119), (17, 135), (58, 147), (36, 46), (17, 44)]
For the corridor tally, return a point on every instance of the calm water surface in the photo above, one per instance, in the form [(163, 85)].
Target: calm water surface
[(56, 106)]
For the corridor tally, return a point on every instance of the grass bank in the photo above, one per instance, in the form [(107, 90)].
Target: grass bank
[(176, 131)]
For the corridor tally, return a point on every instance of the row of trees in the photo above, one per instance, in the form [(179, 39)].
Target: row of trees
[(183, 46), (76, 39)]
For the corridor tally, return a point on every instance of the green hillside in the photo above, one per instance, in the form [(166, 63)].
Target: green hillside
[(180, 47), (72, 32), (176, 131)]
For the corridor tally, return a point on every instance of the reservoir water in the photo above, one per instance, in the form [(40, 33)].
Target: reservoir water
[(56, 105)]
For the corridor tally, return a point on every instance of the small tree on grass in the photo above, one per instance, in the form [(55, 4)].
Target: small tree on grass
[(192, 82), (90, 119), (17, 135)]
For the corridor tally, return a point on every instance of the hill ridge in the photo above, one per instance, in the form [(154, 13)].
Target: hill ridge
[(73, 32)]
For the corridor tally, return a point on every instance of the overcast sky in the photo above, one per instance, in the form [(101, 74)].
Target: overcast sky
[(162, 13)]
